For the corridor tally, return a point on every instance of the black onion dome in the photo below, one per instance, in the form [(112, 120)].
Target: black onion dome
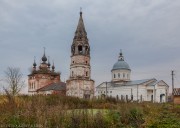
[(49, 64), (53, 67), (34, 64), (44, 58)]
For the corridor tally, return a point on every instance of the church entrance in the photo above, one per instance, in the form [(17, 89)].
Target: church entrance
[(87, 93), (86, 96), (162, 98), (151, 98)]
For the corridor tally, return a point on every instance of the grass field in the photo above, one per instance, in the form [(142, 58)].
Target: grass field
[(68, 112)]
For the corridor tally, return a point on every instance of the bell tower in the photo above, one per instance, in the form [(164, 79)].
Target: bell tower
[(80, 83)]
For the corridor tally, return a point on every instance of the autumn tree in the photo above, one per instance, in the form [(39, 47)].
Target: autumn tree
[(14, 81)]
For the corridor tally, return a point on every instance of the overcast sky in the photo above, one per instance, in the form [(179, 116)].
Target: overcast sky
[(147, 31)]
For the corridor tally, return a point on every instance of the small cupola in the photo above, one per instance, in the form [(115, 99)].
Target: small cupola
[(53, 67), (34, 64), (49, 64)]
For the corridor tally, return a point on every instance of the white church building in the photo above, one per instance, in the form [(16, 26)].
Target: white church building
[(123, 88)]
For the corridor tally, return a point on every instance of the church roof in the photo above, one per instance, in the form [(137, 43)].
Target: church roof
[(154, 83), (137, 82), (160, 82), (121, 64), (54, 86), (129, 83), (44, 71), (80, 33), (81, 27)]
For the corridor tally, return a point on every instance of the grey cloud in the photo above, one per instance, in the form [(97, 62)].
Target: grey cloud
[(147, 31)]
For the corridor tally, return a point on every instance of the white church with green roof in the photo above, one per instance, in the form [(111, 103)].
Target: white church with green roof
[(123, 88)]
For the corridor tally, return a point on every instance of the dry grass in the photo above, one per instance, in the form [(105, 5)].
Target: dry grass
[(68, 112)]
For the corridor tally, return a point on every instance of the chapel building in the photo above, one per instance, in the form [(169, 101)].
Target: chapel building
[(123, 88), (45, 80)]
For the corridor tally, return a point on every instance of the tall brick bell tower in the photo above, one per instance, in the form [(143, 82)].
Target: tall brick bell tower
[(80, 83)]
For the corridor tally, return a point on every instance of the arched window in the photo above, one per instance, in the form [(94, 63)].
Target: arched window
[(80, 49), (114, 75), (86, 73), (72, 73), (119, 75), (123, 75)]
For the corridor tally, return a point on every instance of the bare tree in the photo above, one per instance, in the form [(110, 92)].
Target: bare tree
[(14, 80)]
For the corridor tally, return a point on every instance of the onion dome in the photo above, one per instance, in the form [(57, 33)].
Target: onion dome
[(53, 67), (34, 64), (44, 58), (121, 64), (49, 62)]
